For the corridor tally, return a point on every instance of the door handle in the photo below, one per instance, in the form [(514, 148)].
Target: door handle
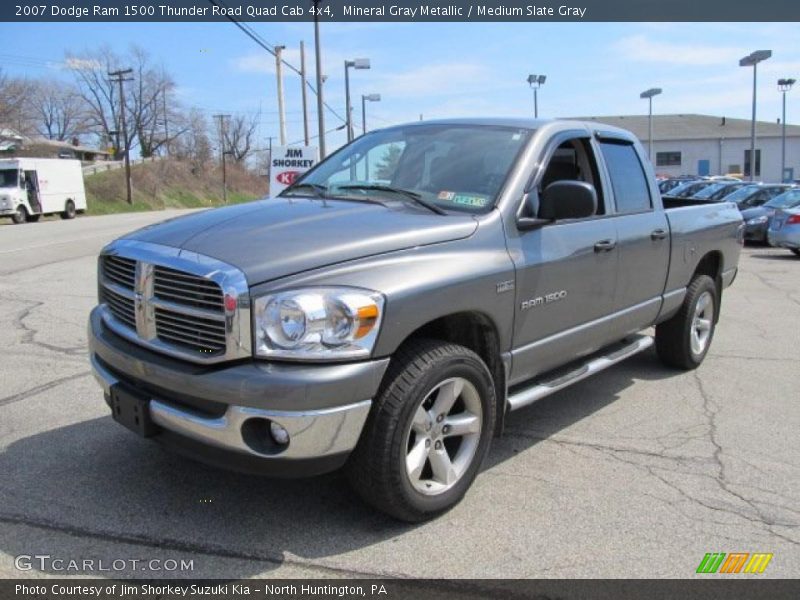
[(658, 234), (605, 246)]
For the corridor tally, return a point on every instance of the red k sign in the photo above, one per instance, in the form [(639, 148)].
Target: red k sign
[(287, 177)]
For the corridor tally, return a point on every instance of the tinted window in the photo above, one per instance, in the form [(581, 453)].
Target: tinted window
[(627, 177)]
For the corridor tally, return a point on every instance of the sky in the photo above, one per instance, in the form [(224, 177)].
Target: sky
[(441, 70)]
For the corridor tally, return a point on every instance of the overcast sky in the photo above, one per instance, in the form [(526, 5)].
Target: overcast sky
[(446, 70)]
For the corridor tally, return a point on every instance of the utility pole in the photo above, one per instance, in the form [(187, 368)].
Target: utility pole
[(281, 108), (303, 85), (320, 102), (221, 119), (119, 78)]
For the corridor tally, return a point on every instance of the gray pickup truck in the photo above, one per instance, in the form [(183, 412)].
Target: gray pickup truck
[(389, 309)]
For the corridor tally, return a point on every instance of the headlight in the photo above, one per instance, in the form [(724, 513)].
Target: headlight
[(757, 220), (317, 323), (5, 202)]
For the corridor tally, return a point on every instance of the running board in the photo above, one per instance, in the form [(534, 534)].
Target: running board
[(594, 364)]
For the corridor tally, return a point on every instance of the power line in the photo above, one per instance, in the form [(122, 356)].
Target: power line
[(250, 32)]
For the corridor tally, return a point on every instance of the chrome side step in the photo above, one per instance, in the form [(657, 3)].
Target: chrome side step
[(594, 364)]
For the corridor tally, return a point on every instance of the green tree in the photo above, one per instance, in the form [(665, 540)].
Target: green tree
[(388, 163)]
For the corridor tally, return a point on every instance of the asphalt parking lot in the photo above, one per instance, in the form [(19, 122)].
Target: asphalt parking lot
[(637, 472)]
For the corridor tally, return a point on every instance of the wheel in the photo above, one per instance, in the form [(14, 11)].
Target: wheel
[(796, 251), (69, 210), (683, 340), (427, 433), (20, 216)]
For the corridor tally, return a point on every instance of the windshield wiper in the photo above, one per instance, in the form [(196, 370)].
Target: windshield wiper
[(319, 190), (414, 196)]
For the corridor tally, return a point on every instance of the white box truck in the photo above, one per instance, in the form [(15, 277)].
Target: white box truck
[(32, 187)]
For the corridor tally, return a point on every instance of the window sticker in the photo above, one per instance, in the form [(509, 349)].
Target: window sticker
[(472, 200)]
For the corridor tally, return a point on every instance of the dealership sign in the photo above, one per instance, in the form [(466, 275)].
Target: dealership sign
[(287, 163)]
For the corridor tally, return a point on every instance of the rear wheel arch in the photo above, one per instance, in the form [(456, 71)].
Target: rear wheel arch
[(712, 265)]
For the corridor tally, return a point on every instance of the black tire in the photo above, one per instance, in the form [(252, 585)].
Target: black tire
[(377, 467), (69, 210), (20, 216), (796, 251), (674, 337)]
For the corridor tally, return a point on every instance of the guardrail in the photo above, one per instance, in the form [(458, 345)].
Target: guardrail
[(112, 165)]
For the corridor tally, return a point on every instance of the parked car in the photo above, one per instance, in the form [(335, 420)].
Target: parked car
[(756, 219), (388, 320), (784, 230), (667, 185), (752, 195), (687, 190), (717, 191)]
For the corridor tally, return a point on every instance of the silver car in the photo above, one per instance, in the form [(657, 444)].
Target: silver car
[(784, 231)]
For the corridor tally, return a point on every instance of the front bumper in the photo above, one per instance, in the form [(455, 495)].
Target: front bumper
[(221, 414)]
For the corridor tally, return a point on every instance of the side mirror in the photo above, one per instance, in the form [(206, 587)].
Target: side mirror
[(568, 200)]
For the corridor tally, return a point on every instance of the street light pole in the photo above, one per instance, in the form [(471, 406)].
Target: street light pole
[(784, 85), (281, 107), (358, 63), (320, 101), (364, 98), (752, 60), (649, 95), (535, 81)]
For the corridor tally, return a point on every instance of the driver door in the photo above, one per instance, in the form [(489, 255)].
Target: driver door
[(566, 271)]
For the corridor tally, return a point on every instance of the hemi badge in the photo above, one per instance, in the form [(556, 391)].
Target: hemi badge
[(505, 286)]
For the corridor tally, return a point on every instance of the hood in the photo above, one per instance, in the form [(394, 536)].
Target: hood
[(278, 237)]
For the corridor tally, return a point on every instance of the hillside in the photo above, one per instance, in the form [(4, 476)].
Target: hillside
[(170, 184)]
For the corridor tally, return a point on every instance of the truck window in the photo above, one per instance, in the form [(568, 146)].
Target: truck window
[(574, 160), (631, 192), (8, 178)]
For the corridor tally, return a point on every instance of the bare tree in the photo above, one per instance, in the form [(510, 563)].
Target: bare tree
[(58, 109), (193, 142), (239, 136), (150, 109), (101, 95), (14, 93)]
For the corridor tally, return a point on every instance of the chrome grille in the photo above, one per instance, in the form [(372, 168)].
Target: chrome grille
[(119, 270), (186, 289), (121, 307), (201, 335), (176, 302)]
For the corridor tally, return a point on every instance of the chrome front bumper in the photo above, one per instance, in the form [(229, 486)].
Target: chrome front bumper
[(312, 433)]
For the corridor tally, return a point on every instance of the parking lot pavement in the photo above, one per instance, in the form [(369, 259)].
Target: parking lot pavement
[(637, 472)]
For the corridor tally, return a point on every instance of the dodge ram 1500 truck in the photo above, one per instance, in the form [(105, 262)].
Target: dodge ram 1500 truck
[(389, 309)]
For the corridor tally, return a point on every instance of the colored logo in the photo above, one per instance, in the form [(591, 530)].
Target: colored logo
[(735, 562), (287, 177)]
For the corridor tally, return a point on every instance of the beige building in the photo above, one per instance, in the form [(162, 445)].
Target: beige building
[(708, 145)]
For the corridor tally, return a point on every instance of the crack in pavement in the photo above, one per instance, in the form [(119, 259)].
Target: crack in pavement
[(29, 333), (41, 388)]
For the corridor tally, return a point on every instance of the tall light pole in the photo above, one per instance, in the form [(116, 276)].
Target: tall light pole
[(784, 85), (536, 81), (752, 60), (649, 95), (358, 63), (320, 101), (364, 98), (119, 77), (281, 107)]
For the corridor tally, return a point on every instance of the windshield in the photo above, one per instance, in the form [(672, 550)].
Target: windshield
[(8, 178), (451, 167), (710, 190), (787, 200), (742, 194)]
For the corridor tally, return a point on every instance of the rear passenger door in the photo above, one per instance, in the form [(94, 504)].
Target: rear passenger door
[(643, 240)]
